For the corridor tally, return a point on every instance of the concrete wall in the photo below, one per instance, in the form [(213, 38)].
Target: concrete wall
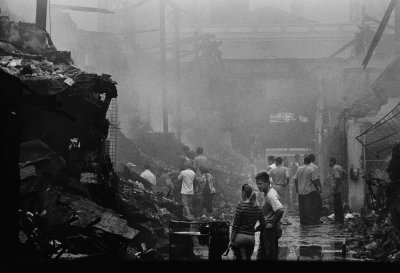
[(356, 191)]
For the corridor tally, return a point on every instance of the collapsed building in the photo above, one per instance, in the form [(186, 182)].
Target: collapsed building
[(72, 203), (68, 186)]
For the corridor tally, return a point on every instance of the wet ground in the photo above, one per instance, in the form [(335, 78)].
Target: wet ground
[(305, 243), (318, 242)]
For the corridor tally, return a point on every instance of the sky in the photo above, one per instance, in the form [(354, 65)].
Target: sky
[(323, 11)]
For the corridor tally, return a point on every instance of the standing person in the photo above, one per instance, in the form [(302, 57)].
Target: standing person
[(280, 178), (187, 176), (272, 210), (306, 188), (287, 189), (182, 158), (165, 182), (148, 175), (252, 173), (206, 189), (170, 188), (294, 166), (198, 161), (271, 163), (318, 201), (285, 162), (337, 181), (246, 216)]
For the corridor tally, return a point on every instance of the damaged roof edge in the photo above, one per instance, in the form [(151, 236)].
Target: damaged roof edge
[(386, 85)]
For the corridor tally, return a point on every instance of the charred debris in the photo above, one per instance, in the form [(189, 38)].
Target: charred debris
[(72, 203)]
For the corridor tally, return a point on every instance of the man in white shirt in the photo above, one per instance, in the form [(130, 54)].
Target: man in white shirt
[(306, 182), (148, 175), (271, 166), (187, 177), (292, 171), (318, 201), (271, 163), (280, 179)]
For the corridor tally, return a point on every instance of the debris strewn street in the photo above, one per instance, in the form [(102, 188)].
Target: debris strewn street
[(177, 130)]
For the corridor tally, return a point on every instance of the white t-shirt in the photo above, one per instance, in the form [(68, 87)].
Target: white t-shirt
[(187, 177), (269, 169), (149, 176)]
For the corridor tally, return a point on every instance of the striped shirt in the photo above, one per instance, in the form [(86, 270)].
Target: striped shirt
[(246, 218), (270, 205)]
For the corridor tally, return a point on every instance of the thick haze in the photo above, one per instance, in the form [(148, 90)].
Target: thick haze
[(216, 98)]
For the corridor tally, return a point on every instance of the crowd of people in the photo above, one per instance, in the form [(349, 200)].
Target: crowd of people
[(196, 185), (267, 198), (281, 185)]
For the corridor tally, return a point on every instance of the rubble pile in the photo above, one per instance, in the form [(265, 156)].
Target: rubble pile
[(375, 240), (149, 213), (164, 149), (226, 159), (72, 204), (73, 225), (162, 152), (378, 233)]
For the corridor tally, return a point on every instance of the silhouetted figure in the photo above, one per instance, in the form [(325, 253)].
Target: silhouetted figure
[(337, 173)]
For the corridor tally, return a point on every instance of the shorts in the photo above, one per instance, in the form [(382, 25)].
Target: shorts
[(187, 200)]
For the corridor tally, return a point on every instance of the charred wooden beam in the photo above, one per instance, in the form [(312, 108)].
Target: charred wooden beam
[(379, 32)]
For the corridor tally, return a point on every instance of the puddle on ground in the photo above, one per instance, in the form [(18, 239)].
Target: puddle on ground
[(300, 243), (310, 243)]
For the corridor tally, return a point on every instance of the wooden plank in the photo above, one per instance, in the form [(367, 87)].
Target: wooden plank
[(27, 172)]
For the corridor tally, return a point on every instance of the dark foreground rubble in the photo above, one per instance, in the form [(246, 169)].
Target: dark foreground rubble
[(72, 205), (374, 240), (378, 232)]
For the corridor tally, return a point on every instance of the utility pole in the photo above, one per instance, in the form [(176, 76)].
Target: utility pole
[(177, 75), (318, 150), (163, 60), (41, 14), (397, 27)]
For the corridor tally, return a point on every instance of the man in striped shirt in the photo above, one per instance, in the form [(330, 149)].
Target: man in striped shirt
[(273, 210)]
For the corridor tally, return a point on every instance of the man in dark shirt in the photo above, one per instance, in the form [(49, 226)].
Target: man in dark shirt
[(337, 179)]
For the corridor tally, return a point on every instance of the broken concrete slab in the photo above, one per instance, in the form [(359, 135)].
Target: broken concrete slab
[(88, 211)]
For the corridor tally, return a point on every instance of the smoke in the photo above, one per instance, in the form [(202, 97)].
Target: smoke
[(222, 104)]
